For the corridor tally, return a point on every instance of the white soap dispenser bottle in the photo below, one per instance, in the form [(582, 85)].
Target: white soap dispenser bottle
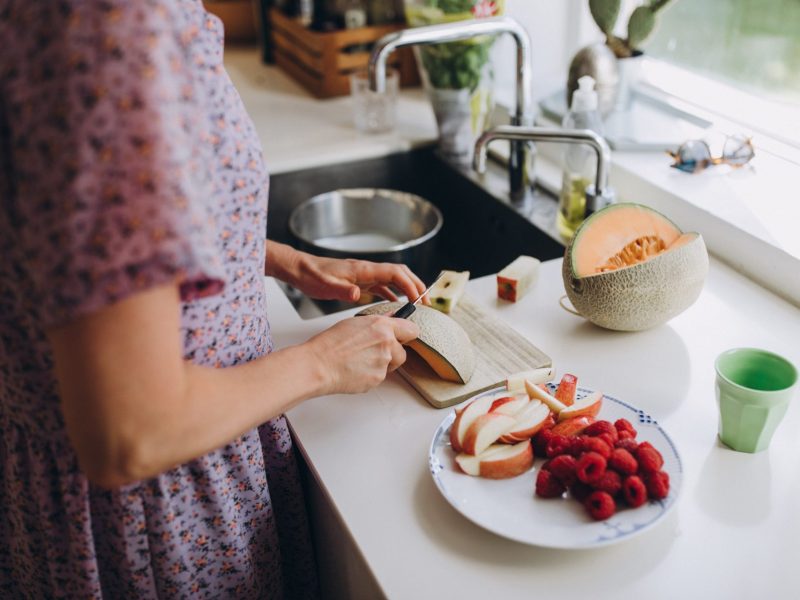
[(580, 161)]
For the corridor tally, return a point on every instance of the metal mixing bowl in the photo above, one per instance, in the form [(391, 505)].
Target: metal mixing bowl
[(374, 224)]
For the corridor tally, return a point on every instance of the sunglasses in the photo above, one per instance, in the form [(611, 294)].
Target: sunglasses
[(695, 155)]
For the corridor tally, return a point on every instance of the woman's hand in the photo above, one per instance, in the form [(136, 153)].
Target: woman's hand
[(357, 353), (340, 279)]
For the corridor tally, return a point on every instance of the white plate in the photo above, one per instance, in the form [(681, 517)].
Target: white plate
[(509, 507)]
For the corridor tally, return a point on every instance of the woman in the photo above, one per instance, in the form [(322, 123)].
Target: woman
[(133, 254)]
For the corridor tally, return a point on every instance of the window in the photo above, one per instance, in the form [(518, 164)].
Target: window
[(753, 44)]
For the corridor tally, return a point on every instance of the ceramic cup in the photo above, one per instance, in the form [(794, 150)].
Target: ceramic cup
[(753, 388)]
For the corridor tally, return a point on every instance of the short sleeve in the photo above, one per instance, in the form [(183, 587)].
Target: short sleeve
[(109, 187)]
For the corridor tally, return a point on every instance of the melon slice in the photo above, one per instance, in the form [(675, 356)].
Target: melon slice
[(442, 343), (515, 279), (630, 268), (448, 290)]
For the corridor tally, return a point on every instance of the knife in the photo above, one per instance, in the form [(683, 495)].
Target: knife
[(408, 308)]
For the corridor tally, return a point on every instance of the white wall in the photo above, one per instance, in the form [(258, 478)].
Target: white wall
[(558, 28)]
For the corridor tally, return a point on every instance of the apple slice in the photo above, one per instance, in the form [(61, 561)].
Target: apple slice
[(466, 416), (498, 461), (586, 407), (515, 383), (534, 391), (567, 389), (484, 431), (510, 405), (572, 427), (528, 423)]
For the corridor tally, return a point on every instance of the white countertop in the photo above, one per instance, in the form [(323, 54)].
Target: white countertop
[(734, 532)]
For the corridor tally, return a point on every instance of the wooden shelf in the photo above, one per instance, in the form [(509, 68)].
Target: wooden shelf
[(323, 62)]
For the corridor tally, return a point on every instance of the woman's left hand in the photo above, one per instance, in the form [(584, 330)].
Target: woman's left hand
[(340, 279)]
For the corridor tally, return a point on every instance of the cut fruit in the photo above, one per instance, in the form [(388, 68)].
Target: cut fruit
[(499, 461), (485, 431), (572, 427), (448, 290), (567, 389), (528, 423), (442, 343), (510, 405), (585, 407), (466, 416), (630, 268), (534, 391), (515, 383), (515, 279)]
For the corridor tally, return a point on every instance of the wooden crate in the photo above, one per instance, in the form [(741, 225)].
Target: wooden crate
[(323, 62)]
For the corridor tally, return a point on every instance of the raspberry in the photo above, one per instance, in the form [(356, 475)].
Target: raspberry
[(576, 448), (610, 483), (558, 444), (623, 462), (628, 444), (594, 444), (634, 491), (590, 467), (600, 427), (624, 425), (657, 485), (580, 491), (608, 439), (563, 467), (600, 505), (626, 435), (650, 460), (548, 486), (540, 442)]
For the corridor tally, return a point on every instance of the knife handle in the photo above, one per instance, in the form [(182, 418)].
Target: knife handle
[(405, 311)]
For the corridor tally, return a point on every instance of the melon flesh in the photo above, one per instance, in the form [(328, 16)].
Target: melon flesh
[(620, 236), (442, 343)]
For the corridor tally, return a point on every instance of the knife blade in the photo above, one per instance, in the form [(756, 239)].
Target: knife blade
[(408, 308)]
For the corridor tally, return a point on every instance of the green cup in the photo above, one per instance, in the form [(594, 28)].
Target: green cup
[(753, 391)]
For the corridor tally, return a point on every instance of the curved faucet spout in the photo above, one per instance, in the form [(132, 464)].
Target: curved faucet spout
[(452, 32), (602, 191)]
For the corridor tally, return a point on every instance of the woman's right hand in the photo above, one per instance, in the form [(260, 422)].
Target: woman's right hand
[(357, 353)]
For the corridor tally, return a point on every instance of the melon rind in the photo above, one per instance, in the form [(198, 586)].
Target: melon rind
[(644, 295), (439, 335)]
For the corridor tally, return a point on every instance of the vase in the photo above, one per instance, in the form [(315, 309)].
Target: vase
[(457, 76), (599, 62), (630, 75), (462, 114)]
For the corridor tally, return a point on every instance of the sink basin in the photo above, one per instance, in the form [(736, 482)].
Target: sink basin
[(482, 232)]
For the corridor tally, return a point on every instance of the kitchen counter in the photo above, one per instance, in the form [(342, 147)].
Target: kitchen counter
[(734, 532), (383, 528)]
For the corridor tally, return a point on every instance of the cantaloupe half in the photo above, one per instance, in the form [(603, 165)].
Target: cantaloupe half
[(630, 268), (442, 343)]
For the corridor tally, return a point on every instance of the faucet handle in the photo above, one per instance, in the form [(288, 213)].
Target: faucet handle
[(596, 201)]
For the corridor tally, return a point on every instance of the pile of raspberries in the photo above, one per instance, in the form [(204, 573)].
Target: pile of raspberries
[(603, 468)]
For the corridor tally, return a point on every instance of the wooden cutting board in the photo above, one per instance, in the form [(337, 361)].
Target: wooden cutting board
[(499, 352)]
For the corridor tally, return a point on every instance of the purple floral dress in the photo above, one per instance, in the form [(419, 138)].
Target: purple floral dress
[(127, 161)]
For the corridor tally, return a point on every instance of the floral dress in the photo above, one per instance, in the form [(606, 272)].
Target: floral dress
[(127, 161)]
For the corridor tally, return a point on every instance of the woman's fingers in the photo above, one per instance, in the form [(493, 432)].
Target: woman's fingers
[(384, 292)]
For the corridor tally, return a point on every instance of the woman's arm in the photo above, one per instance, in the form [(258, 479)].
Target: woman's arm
[(339, 279), (134, 408)]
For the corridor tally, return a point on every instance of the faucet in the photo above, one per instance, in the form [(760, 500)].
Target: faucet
[(451, 32), (597, 196)]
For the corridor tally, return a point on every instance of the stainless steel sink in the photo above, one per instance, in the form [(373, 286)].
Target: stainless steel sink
[(482, 231)]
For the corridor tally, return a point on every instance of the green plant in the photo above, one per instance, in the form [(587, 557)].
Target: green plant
[(641, 24), (456, 65)]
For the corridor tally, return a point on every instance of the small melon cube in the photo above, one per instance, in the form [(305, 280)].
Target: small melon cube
[(448, 290), (514, 280)]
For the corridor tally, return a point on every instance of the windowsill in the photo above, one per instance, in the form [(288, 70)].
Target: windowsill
[(719, 203)]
